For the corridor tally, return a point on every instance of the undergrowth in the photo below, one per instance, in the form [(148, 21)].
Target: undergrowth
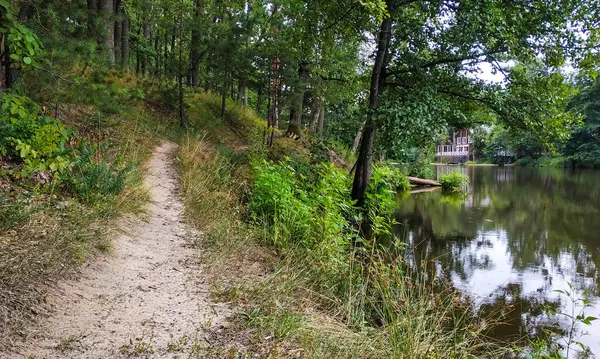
[(281, 239)]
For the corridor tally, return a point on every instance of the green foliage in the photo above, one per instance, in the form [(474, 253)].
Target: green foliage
[(559, 347), (38, 140), (23, 43), (454, 181), (583, 149), (545, 161), (95, 182), (281, 203)]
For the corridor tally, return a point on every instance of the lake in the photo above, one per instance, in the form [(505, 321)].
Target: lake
[(519, 235)]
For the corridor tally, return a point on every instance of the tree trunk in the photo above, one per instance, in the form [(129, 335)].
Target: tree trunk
[(259, 99), (316, 111), (108, 32), (321, 119), (92, 10), (363, 164), (126, 48), (173, 38), (2, 79), (223, 102), (357, 138), (8, 71), (243, 94), (295, 125), (195, 46), (157, 50), (148, 42), (182, 119), (119, 32)]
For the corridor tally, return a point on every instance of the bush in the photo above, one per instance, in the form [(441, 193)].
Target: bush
[(455, 181), (93, 182), (280, 203), (20, 123), (525, 162)]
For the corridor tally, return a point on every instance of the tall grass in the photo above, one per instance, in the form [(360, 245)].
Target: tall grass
[(321, 294)]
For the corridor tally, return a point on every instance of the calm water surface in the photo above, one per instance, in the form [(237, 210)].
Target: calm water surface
[(519, 235)]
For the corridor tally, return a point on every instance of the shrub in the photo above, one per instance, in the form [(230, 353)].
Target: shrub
[(455, 181), (92, 182), (20, 123), (280, 203), (525, 162)]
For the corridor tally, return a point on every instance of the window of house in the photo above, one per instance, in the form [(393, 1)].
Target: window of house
[(464, 140)]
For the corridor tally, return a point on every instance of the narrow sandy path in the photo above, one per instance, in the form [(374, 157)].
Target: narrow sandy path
[(145, 299)]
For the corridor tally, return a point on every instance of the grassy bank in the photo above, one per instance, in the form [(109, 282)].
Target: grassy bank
[(279, 243), (51, 221)]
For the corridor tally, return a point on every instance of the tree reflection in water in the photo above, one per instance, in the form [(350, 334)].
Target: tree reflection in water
[(518, 235)]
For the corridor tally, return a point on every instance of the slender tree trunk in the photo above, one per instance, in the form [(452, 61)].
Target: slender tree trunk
[(148, 41), (157, 50), (223, 102), (173, 38), (8, 73), (259, 99), (295, 125), (119, 32), (316, 111), (243, 94), (182, 119), (357, 138), (125, 45), (321, 119), (195, 46), (2, 75), (362, 175), (108, 32), (92, 10)]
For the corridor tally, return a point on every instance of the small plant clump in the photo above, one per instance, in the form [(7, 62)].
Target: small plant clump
[(454, 181)]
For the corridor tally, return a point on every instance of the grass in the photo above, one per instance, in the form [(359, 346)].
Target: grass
[(291, 304), (46, 233)]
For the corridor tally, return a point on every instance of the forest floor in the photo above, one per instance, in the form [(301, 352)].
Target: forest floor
[(146, 298)]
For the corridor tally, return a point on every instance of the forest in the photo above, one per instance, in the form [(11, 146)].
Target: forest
[(297, 123)]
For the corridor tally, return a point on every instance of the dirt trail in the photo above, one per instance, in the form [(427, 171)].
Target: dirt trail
[(144, 299)]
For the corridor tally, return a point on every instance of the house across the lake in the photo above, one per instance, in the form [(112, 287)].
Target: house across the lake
[(460, 150)]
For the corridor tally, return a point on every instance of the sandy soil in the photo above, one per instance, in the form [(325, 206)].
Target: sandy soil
[(144, 299)]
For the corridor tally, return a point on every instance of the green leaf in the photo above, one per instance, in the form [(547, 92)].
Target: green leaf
[(588, 320), (27, 60)]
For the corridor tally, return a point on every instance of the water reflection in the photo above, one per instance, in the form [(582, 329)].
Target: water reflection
[(518, 235)]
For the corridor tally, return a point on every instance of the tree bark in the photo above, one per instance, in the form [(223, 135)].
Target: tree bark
[(92, 10), (118, 32), (295, 125), (2, 79), (146, 27), (243, 94), (106, 8), (125, 45), (362, 175), (182, 119), (357, 138), (321, 119), (8, 71), (157, 66), (195, 46)]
